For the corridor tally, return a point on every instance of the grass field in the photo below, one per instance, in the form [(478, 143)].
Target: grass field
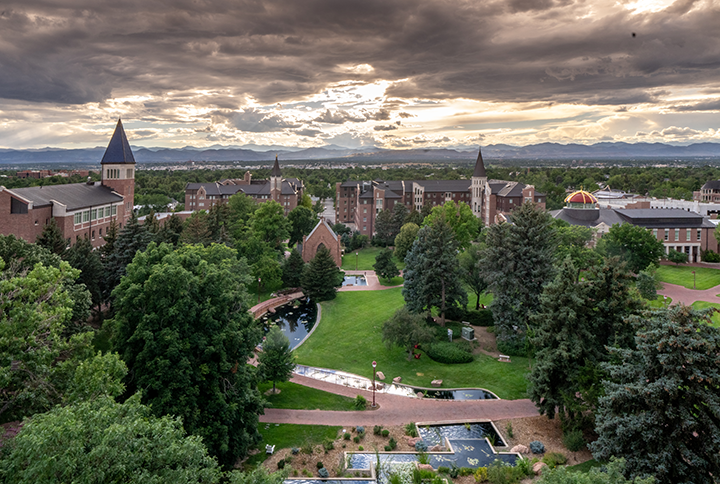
[(704, 305), (284, 436), (585, 466), (349, 338), (395, 281), (660, 302), (683, 276), (299, 397), (365, 260)]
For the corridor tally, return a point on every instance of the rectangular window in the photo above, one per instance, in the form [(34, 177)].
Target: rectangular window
[(655, 233), (86, 216), (93, 214), (93, 235), (699, 234), (677, 235), (667, 234), (78, 218), (114, 209), (364, 227), (108, 211), (364, 219), (687, 235)]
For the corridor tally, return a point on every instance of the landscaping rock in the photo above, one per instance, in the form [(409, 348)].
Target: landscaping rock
[(437, 448), (520, 449), (397, 379), (419, 394), (425, 467), (436, 383), (380, 375), (413, 440), (539, 468)]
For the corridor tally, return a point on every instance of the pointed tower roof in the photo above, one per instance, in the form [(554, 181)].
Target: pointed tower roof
[(479, 166), (118, 150), (276, 168)]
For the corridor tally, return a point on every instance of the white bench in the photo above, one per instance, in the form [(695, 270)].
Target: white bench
[(269, 449), (504, 358)]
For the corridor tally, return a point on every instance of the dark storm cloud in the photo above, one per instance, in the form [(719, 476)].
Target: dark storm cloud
[(78, 51), (710, 105)]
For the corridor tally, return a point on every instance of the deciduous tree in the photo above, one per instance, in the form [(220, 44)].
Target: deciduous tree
[(384, 235), (269, 223), (677, 257), (384, 265), (81, 256), (469, 261), (406, 329), (302, 221), (269, 272), (276, 362), (460, 218), (405, 239), (634, 244)]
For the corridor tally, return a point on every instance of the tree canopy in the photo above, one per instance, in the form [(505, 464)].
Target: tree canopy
[(634, 244), (406, 329), (321, 277), (384, 266), (459, 216), (302, 221), (405, 239), (276, 362)]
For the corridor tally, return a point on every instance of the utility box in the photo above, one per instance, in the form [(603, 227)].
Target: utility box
[(450, 334), (468, 333)]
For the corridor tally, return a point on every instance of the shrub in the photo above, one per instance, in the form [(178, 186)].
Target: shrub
[(502, 473), (295, 473), (537, 447), (554, 459), (445, 352), (295, 451), (454, 471), (328, 445), (481, 474), (524, 466), (423, 458), (385, 432), (411, 430), (466, 471), (347, 436), (709, 256), (392, 443), (307, 473), (465, 345), (509, 430), (387, 448), (360, 429), (574, 440), (421, 446), (319, 465), (360, 447), (356, 439), (323, 473), (377, 430), (281, 464), (307, 448), (481, 317), (360, 402), (443, 470), (394, 479)]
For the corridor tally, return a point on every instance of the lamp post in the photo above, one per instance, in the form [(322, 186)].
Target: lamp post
[(356, 258), (258, 290), (694, 280), (374, 363)]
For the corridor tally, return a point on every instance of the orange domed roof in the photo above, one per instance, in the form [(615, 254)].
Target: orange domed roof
[(581, 196)]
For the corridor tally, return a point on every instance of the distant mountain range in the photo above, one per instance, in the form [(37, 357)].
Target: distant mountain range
[(368, 155)]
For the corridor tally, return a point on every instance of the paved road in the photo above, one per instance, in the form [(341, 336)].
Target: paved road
[(683, 295), (397, 410)]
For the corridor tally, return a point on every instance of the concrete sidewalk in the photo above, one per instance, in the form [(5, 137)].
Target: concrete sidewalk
[(683, 295)]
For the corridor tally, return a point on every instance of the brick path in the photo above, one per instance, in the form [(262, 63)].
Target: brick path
[(373, 283), (397, 410), (683, 295)]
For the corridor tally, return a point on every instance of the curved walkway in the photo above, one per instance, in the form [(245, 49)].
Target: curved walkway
[(373, 282), (397, 410), (683, 295)]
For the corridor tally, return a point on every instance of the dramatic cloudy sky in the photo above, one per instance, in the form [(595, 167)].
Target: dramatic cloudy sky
[(389, 73)]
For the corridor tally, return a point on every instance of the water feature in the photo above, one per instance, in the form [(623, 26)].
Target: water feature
[(355, 281), (461, 394), (295, 321), (436, 434)]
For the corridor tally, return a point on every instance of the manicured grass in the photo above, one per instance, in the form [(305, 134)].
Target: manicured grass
[(395, 281), (585, 466), (349, 338), (284, 436), (300, 397), (704, 305), (365, 259), (683, 276), (660, 302)]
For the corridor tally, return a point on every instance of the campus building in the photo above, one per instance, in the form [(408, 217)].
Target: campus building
[(286, 191), (359, 202), (79, 209), (678, 229)]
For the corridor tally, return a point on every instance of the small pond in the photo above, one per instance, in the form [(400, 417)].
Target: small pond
[(355, 281), (435, 434), (462, 394), (295, 319)]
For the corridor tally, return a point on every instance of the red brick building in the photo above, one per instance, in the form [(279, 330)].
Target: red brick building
[(321, 236), (79, 209), (286, 191), (358, 202)]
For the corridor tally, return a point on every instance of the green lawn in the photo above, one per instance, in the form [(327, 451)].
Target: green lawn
[(365, 259), (585, 466), (704, 305), (683, 276), (395, 281), (284, 436), (349, 338), (300, 397), (659, 302)]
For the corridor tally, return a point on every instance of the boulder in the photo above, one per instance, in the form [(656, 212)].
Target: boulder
[(380, 375), (436, 383), (425, 467), (539, 467), (419, 394), (520, 449), (397, 379), (412, 441), (437, 448)]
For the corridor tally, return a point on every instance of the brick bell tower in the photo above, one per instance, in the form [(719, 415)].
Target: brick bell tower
[(118, 168)]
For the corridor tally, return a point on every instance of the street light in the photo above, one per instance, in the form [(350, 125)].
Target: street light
[(258, 290), (374, 365), (694, 280), (356, 257)]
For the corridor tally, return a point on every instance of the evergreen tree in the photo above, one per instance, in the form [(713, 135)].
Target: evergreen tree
[(52, 239), (321, 277), (293, 269), (132, 238), (383, 229), (647, 284), (183, 328), (399, 214), (302, 221), (469, 261), (170, 231), (218, 223), (276, 362), (414, 217), (517, 264), (82, 256), (406, 329), (563, 337), (151, 223), (384, 265), (111, 235), (432, 275), (196, 230), (405, 239), (661, 409)]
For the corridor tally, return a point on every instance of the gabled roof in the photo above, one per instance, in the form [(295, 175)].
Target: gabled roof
[(73, 196), (118, 150), (322, 222), (479, 166)]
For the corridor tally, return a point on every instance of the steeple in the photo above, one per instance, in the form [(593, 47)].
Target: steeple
[(479, 166), (276, 168), (118, 150)]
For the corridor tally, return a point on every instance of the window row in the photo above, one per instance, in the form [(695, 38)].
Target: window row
[(676, 234), (94, 214)]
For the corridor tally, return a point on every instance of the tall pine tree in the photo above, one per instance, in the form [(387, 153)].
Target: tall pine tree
[(432, 274), (52, 239), (321, 277), (82, 256), (133, 238), (293, 269), (384, 266)]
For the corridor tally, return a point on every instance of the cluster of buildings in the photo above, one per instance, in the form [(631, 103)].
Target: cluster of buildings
[(48, 173)]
